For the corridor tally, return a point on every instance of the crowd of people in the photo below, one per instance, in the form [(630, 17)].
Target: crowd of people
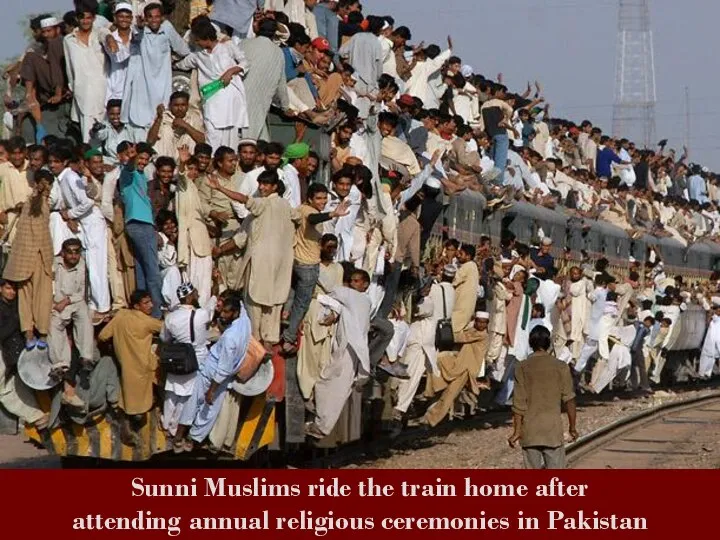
[(134, 213)]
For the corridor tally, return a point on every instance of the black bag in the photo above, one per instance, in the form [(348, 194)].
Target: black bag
[(444, 340), (179, 358)]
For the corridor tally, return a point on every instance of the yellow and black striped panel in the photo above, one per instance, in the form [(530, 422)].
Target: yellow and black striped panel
[(100, 437)]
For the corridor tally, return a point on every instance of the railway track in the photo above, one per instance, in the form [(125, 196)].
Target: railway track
[(682, 434)]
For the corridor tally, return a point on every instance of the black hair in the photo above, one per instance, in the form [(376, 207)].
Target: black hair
[(202, 28), (233, 301), (113, 103), (164, 216), (315, 188), (362, 273), (432, 51), (144, 148), (123, 146), (61, 152), (70, 242), (165, 161), (38, 148), (469, 249), (452, 242), (150, 7), (612, 296), (274, 148), (44, 174), (35, 21), (268, 177), (16, 143), (540, 339), (203, 149), (403, 32), (221, 152), (139, 295), (345, 172), (179, 94), (540, 308), (454, 60), (328, 237), (386, 117), (634, 276)]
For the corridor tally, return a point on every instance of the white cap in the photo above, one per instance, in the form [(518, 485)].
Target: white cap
[(466, 71), (482, 315), (385, 25), (49, 22), (433, 183), (123, 6), (715, 301), (632, 259), (645, 314), (505, 260), (547, 241)]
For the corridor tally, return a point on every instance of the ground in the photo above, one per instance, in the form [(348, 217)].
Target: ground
[(479, 443)]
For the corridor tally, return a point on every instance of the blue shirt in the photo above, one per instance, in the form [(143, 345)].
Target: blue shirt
[(605, 158), (328, 24), (697, 189), (134, 193), (292, 61), (228, 354)]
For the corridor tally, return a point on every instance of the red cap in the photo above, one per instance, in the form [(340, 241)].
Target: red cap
[(406, 99), (321, 44)]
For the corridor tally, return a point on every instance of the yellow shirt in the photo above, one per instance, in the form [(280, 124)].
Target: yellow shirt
[(307, 237)]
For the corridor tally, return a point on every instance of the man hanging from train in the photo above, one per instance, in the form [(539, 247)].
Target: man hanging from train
[(711, 346)]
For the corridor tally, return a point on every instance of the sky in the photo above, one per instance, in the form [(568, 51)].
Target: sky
[(567, 45)]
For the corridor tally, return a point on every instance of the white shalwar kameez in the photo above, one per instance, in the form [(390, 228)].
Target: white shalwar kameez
[(420, 353), (597, 297), (343, 226), (169, 273), (179, 388), (86, 72), (225, 112), (59, 230), (118, 65), (349, 358), (93, 235), (618, 359), (711, 348)]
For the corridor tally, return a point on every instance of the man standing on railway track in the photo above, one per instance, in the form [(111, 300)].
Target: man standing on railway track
[(542, 385)]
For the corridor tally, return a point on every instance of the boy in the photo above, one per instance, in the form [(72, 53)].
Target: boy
[(70, 307)]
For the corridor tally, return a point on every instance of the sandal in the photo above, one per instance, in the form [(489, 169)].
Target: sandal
[(31, 344), (42, 344)]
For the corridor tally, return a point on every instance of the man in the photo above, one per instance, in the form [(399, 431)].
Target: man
[(176, 127), (16, 185), (543, 259), (343, 227), (188, 324), (117, 47), (85, 65), (606, 156), (161, 188), (294, 173), (403, 69), (15, 396), (348, 361), (194, 249), (502, 293), (70, 307), (93, 232), (105, 187), (542, 385), (216, 373), (132, 331), (149, 77), (235, 17), (711, 346), (140, 225), (225, 112), (112, 132), (428, 62), (266, 267), (43, 73), (364, 54), (328, 23), (265, 81), (459, 370), (466, 285), (496, 116), (223, 212), (306, 265)]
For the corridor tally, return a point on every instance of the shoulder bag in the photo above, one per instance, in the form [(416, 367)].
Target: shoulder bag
[(180, 358), (444, 340)]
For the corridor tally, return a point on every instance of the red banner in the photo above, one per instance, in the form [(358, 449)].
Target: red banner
[(368, 503)]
